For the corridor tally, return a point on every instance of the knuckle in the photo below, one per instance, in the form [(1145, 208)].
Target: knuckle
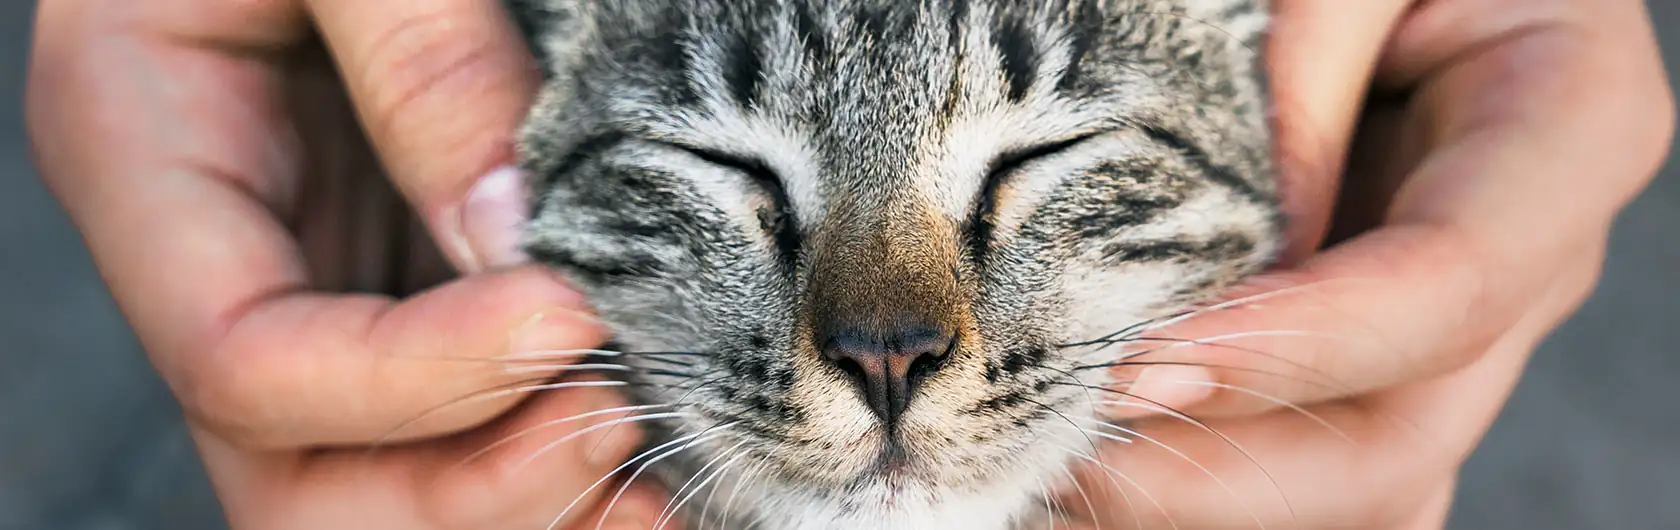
[(222, 396)]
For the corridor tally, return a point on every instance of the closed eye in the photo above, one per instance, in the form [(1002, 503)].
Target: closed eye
[(778, 221), (1008, 162), (979, 227)]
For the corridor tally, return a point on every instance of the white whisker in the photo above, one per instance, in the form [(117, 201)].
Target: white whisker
[(665, 518), (610, 424), (550, 423), (1089, 506), (1111, 472), (729, 505), (556, 354), (486, 396), (644, 467), (1278, 401), (1049, 514), (1248, 301), (563, 368), (615, 471), (1194, 462)]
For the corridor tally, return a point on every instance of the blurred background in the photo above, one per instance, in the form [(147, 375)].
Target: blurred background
[(91, 440)]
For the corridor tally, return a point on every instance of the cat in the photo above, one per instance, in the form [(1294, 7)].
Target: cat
[(844, 245)]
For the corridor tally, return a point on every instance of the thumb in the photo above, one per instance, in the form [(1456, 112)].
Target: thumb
[(440, 86)]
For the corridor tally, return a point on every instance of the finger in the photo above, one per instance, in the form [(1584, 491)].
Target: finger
[(1319, 72), (549, 465), (177, 201), (313, 369), (441, 86), (1372, 462), (639, 509), (524, 470), (1479, 224)]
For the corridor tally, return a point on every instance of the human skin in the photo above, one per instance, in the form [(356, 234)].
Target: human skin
[(211, 159)]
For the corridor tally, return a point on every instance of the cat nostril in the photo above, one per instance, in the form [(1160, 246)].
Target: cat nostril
[(888, 369)]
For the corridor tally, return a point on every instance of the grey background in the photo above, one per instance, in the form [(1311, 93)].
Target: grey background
[(90, 439)]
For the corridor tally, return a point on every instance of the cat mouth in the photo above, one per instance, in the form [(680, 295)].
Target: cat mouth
[(894, 467)]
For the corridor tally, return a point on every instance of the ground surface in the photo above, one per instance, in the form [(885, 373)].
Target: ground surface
[(90, 440)]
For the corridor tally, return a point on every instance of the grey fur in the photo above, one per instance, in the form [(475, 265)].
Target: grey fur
[(722, 176)]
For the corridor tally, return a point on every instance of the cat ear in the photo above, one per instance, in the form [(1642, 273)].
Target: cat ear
[(550, 27)]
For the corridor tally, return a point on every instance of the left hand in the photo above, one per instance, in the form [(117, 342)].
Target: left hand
[(1473, 218)]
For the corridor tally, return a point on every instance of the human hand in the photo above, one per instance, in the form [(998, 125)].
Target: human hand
[(212, 161), (1472, 220)]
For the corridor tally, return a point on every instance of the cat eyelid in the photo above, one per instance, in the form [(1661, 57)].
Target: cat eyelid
[(978, 227), (785, 233), (1014, 159), (752, 167)]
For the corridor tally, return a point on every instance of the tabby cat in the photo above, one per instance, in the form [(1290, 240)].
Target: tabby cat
[(846, 246)]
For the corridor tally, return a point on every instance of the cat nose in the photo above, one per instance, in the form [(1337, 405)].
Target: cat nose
[(888, 367)]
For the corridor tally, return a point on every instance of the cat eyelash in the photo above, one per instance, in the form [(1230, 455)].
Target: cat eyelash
[(778, 220), (1007, 163), (979, 227)]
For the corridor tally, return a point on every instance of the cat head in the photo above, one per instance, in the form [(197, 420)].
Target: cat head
[(865, 231)]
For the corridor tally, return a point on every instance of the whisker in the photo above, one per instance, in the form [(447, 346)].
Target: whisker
[(1049, 514), (699, 383), (543, 355), (1175, 413), (671, 513), (1066, 419), (1181, 316), (1070, 375), (1092, 507), (1251, 299), (1183, 343), (1111, 337), (1111, 472), (1193, 462), (550, 423), (606, 425), (563, 368), (1233, 368), (672, 362), (682, 400), (729, 505), (697, 474), (706, 505), (615, 471), (495, 392), (1280, 402), (1108, 436), (644, 467)]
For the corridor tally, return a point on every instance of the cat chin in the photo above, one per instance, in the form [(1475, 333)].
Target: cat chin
[(1004, 510), (1007, 501)]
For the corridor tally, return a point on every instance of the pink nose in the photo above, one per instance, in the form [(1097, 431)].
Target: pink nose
[(887, 367)]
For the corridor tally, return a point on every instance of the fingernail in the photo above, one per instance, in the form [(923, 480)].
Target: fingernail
[(490, 220), (1168, 386), (556, 330)]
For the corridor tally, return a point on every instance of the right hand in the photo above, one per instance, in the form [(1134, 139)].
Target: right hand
[(213, 162)]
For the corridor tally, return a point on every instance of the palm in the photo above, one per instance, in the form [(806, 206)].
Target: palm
[(355, 233)]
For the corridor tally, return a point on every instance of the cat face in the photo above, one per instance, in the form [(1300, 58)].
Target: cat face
[(862, 233)]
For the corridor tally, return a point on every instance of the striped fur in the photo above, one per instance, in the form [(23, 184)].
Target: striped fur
[(728, 176)]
